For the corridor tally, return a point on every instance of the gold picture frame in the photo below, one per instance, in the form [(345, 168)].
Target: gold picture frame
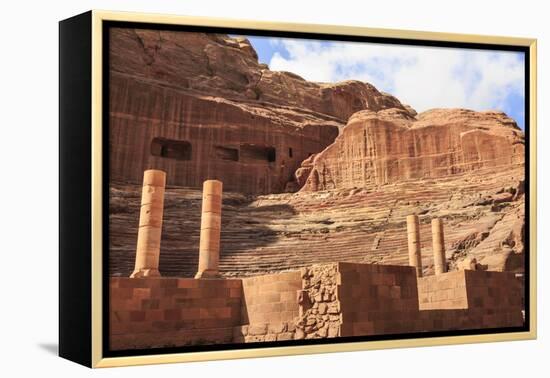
[(92, 264)]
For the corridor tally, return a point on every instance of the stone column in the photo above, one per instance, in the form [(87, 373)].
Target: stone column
[(440, 262), (209, 252), (150, 224), (413, 237)]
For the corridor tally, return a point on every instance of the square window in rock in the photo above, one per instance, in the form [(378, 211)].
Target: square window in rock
[(258, 152), (226, 153), (171, 149)]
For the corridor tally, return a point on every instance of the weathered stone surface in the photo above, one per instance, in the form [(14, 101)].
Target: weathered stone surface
[(257, 329), (413, 237), (357, 163), (372, 299), (201, 106), (150, 224), (228, 67), (388, 146), (285, 336), (364, 162), (438, 243), (270, 233), (319, 283), (209, 250)]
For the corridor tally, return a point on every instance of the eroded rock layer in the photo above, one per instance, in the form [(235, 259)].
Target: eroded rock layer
[(483, 217), (378, 148), (201, 106)]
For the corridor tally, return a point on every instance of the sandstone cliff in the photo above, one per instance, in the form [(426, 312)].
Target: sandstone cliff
[(201, 106), (388, 146), (221, 66)]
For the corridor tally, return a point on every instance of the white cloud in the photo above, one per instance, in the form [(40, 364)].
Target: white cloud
[(423, 77)]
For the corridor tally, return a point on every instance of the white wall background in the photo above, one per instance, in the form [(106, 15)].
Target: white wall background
[(28, 185)]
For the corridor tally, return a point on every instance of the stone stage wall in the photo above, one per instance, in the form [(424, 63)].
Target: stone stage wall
[(321, 301), (161, 312)]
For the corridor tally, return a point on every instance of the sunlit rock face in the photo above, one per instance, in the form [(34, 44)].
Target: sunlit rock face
[(201, 106), (312, 172), (389, 146)]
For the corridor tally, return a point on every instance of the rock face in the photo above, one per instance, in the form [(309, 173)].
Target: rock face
[(271, 233), (378, 148), (318, 302), (200, 106)]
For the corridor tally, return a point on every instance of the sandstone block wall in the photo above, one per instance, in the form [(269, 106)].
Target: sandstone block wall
[(377, 299), (155, 312), (489, 299), (497, 296), (443, 292), (261, 332), (269, 307), (270, 298), (320, 301)]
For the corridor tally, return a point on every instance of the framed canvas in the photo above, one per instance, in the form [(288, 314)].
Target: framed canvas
[(235, 189)]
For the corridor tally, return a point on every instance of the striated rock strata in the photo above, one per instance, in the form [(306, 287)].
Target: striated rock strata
[(201, 106), (378, 148), (483, 219)]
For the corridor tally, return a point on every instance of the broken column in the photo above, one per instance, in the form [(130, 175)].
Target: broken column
[(150, 224), (413, 237), (438, 240), (209, 251)]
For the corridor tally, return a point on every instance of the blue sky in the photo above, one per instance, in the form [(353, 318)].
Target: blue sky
[(423, 77)]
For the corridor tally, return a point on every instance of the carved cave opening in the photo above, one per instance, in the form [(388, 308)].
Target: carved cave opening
[(258, 152), (226, 153), (171, 149)]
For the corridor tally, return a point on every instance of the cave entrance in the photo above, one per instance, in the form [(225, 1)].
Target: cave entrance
[(171, 149), (258, 152), (226, 153)]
